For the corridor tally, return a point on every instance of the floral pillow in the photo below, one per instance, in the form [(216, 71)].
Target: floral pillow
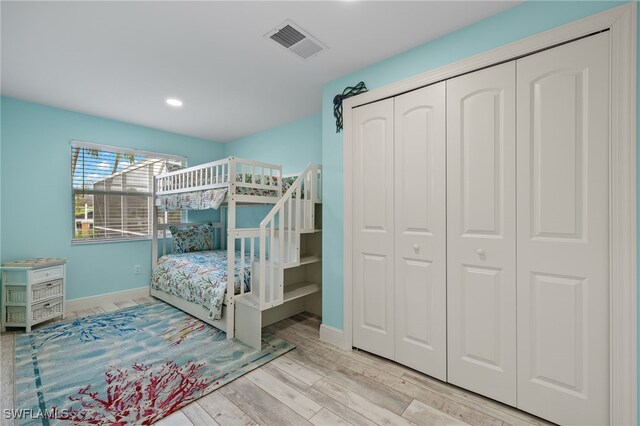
[(192, 238)]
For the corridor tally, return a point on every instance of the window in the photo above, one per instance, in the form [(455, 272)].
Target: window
[(113, 192)]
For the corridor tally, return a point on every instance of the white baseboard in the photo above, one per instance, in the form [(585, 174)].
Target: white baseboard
[(332, 336), (115, 297)]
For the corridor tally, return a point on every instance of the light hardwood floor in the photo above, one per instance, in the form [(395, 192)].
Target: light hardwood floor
[(318, 384)]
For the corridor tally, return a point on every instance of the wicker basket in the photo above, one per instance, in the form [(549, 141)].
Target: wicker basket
[(16, 315), (39, 292), (39, 312), (16, 294), (46, 310), (46, 290)]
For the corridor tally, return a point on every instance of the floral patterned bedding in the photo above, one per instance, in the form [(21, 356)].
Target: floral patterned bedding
[(199, 277), (196, 200), (213, 198)]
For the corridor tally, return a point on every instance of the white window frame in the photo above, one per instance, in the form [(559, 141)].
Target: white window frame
[(123, 150)]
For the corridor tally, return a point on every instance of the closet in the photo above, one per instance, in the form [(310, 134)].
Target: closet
[(400, 253), (481, 231)]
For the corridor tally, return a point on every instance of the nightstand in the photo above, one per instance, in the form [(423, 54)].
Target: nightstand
[(32, 292)]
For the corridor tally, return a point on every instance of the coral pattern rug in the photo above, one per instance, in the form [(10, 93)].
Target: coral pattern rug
[(133, 366)]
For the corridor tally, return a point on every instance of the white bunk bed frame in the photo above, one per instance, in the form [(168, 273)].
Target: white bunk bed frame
[(278, 233)]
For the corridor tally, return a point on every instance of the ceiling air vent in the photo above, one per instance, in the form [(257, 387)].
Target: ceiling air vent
[(296, 40)]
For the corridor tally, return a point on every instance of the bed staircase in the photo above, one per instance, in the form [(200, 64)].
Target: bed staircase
[(288, 246)]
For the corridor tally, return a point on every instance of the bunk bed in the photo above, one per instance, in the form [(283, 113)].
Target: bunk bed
[(191, 274), (186, 280)]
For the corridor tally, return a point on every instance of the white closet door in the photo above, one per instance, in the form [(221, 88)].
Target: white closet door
[(373, 236), (481, 232), (563, 232), (420, 219)]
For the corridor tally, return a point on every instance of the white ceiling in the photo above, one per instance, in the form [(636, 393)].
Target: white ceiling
[(120, 60)]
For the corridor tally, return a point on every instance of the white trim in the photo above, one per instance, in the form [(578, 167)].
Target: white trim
[(347, 187), (115, 297), (621, 21), (623, 216), (111, 148), (89, 241), (333, 336)]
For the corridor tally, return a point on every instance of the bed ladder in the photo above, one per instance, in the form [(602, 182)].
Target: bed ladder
[(283, 234)]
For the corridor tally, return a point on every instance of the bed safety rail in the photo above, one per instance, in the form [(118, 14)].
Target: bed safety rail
[(238, 172)]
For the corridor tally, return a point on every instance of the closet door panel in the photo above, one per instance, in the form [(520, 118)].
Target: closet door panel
[(481, 277), (420, 230), (563, 232), (373, 229)]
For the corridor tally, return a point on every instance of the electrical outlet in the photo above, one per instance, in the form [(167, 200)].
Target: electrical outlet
[(137, 269)]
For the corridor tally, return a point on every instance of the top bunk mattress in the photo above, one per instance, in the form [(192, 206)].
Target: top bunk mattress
[(213, 198), (199, 277)]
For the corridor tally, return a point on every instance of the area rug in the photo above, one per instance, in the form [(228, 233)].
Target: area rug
[(133, 366)]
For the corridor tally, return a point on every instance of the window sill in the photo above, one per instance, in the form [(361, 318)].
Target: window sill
[(90, 241)]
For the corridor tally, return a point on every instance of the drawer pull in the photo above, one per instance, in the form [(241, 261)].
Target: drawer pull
[(46, 305), (49, 284)]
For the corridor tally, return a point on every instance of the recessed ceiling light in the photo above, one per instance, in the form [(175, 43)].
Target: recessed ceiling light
[(174, 102)]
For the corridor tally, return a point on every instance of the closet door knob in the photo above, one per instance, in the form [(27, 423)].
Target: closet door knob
[(416, 248), (480, 252)]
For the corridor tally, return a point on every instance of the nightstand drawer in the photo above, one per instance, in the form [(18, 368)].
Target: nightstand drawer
[(17, 295), (46, 290), (47, 274), (47, 310)]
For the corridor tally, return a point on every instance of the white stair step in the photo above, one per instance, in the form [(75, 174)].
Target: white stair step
[(306, 260), (310, 231), (248, 300), (310, 259), (291, 292), (297, 290)]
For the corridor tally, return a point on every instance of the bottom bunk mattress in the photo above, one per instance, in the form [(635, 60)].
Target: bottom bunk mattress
[(199, 277)]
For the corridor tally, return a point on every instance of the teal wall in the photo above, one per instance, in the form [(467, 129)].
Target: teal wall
[(514, 24), (293, 145), (35, 183), (42, 134)]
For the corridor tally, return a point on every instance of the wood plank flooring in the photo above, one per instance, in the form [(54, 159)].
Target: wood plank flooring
[(316, 384)]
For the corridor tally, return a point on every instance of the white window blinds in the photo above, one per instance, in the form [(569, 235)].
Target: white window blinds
[(112, 192)]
